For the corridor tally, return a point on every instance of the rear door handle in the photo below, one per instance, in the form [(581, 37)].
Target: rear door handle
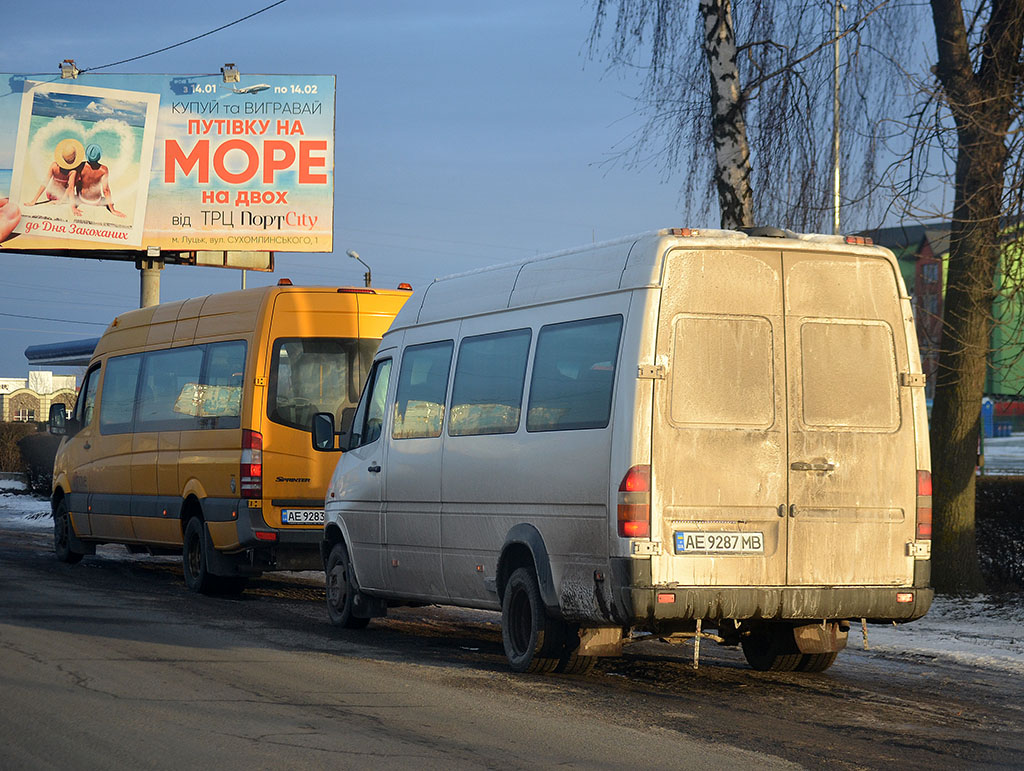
[(373, 469), (804, 466), (86, 446)]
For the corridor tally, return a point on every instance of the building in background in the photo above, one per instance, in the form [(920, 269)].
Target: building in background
[(921, 251), (28, 400)]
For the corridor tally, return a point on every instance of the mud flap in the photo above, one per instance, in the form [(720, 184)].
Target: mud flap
[(822, 638), (601, 641)]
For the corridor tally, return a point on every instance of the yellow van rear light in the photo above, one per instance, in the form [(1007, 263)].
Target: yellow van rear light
[(355, 290), (250, 471), (634, 505), (924, 505), (904, 597), (264, 535)]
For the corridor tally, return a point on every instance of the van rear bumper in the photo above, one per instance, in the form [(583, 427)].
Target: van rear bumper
[(661, 606), (645, 604), (279, 548)]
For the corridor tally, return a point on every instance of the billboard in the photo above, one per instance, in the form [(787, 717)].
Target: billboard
[(180, 163)]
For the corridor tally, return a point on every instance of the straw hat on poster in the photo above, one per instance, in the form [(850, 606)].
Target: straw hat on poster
[(69, 153)]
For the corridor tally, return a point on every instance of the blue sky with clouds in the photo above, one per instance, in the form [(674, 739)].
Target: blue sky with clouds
[(468, 133)]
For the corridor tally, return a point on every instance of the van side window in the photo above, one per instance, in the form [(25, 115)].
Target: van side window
[(117, 400), (219, 402), (86, 405), (487, 395), (422, 386), (168, 391), (573, 375), (369, 417)]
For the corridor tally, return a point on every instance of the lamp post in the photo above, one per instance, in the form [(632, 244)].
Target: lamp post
[(355, 256)]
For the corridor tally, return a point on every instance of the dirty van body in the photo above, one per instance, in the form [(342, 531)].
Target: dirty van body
[(675, 432), (191, 430)]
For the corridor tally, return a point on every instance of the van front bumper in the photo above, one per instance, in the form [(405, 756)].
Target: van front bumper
[(661, 607)]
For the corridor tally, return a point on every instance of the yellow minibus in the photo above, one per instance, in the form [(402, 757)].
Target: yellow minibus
[(191, 430)]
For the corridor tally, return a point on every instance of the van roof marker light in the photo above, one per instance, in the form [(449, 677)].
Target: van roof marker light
[(859, 240), (683, 232), (284, 282), (406, 287)]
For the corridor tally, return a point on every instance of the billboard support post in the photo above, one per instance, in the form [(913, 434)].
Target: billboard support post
[(149, 281)]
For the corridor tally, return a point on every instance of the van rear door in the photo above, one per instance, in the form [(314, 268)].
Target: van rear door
[(783, 450), (852, 475)]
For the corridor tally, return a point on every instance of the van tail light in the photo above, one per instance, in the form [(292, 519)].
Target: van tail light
[(250, 471), (924, 505), (635, 503)]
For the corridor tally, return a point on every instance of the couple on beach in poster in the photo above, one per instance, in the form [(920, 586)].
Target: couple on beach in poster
[(77, 174)]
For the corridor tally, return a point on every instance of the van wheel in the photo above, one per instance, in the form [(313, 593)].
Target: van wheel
[(193, 562), (816, 662), (62, 535), (342, 590), (533, 642), (771, 648)]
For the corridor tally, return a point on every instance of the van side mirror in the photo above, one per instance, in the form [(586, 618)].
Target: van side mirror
[(323, 432), (58, 419)]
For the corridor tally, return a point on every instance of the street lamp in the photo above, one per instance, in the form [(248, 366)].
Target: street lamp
[(355, 256)]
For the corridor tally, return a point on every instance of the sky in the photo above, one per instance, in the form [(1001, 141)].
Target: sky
[(468, 133)]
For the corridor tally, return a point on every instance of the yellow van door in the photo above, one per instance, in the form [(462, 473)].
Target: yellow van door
[(852, 473), (719, 431), (109, 473)]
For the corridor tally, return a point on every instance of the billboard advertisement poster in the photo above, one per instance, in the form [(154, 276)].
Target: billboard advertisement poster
[(180, 163)]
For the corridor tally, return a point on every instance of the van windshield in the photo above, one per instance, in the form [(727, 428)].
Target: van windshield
[(317, 374)]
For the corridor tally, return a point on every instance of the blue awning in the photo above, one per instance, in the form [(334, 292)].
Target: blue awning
[(69, 353)]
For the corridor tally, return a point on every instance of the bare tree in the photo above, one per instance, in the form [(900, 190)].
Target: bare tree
[(763, 144)]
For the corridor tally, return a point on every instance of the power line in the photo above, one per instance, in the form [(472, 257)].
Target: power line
[(62, 321), (183, 42)]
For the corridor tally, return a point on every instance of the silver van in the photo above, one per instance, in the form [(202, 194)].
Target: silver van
[(674, 432)]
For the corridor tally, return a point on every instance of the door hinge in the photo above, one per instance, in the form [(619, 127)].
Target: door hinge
[(650, 372), (259, 381), (645, 548), (912, 379)]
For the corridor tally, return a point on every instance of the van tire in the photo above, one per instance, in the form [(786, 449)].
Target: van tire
[(342, 590), (816, 662), (193, 560), (62, 535), (533, 642), (771, 648)]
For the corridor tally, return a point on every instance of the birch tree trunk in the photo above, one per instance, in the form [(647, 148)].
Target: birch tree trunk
[(728, 122)]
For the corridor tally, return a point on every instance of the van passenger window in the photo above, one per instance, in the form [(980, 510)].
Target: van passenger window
[(573, 375), (86, 405), (487, 395), (168, 395), (422, 386), (117, 401), (316, 374), (220, 396), (369, 417)]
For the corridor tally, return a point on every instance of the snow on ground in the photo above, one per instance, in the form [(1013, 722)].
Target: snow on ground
[(1004, 455), (985, 632)]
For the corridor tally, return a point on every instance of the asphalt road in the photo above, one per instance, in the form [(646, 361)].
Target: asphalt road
[(112, 663)]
